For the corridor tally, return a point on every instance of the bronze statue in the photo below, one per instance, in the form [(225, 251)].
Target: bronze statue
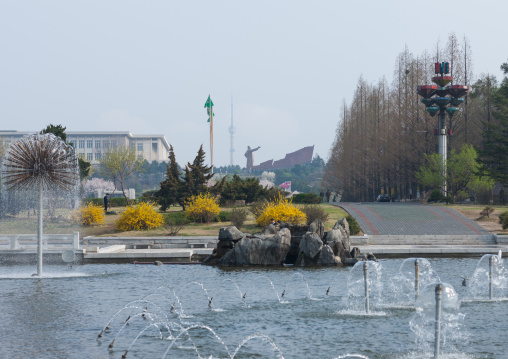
[(250, 157)]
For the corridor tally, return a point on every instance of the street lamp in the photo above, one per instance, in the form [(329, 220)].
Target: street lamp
[(441, 99)]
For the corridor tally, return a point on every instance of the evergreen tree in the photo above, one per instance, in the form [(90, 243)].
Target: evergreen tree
[(247, 189), (196, 176), (199, 173), (57, 130), (171, 187)]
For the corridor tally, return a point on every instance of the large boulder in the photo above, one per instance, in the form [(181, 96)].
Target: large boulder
[(310, 248), (311, 244), (328, 258), (230, 234), (317, 227), (259, 250), (344, 224), (338, 240), (343, 227)]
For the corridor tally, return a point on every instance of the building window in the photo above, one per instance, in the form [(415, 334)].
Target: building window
[(105, 144), (89, 144), (140, 146), (73, 144), (140, 157), (81, 155), (97, 143), (97, 156), (89, 156), (81, 143)]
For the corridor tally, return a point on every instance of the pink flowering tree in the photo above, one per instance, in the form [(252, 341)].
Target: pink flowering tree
[(92, 186)]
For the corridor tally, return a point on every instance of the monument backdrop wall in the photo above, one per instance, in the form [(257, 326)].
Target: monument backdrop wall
[(299, 157)]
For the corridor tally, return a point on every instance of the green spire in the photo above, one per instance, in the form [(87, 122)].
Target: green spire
[(209, 106)]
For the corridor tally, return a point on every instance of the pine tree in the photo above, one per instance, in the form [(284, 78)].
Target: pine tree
[(199, 173), (178, 189), (198, 176), (172, 186), (57, 130)]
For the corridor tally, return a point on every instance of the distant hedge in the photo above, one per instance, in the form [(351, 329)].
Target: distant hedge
[(113, 202), (306, 198)]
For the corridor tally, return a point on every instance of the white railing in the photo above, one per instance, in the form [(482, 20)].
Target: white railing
[(29, 241)]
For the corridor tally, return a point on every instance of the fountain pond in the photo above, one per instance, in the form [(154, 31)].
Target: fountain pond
[(171, 311)]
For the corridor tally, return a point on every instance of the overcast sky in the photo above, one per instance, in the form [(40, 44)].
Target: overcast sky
[(148, 66)]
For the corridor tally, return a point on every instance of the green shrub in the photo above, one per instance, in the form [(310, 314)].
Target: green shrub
[(437, 196), (175, 221), (238, 188), (503, 219), (179, 217), (306, 198), (313, 212), (223, 216), (238, 217), (120, 202), (354, 227), (94, 201)]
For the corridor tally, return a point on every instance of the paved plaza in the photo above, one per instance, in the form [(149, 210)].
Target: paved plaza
[(410, 219)]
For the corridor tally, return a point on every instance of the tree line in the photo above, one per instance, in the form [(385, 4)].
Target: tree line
[(384, 133)]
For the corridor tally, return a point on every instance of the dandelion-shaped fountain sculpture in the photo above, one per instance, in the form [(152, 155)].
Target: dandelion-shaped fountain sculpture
[(40, 162)]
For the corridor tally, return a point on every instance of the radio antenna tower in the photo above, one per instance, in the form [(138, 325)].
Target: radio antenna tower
[(232, 131)]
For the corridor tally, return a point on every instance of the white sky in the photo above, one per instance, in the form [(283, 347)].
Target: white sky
[(148, 66)]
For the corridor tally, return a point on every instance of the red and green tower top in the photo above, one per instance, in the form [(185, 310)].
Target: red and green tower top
[(443, 96)]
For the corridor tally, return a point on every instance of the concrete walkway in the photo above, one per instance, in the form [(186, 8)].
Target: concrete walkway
[(410, 219), (413, 229)]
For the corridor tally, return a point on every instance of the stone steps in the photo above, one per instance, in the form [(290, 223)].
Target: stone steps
[(424, 240)]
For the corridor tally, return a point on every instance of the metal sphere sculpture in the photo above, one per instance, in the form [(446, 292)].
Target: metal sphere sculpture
[(40, 162)]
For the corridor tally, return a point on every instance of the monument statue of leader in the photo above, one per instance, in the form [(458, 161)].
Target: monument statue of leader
[(250, 157)]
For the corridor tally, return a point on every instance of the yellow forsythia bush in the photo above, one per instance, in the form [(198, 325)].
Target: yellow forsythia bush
[(141, 216), (281, 210), (203, 208), (88, 215)]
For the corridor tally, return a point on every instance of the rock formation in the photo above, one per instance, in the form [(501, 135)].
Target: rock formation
[(259, 250), (302, 246)]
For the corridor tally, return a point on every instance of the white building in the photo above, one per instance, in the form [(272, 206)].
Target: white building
[(91, 145)]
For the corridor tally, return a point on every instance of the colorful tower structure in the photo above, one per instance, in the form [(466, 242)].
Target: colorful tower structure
[(442, 98)]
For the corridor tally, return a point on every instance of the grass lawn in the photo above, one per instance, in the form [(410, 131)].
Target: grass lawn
[(22, 224)]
